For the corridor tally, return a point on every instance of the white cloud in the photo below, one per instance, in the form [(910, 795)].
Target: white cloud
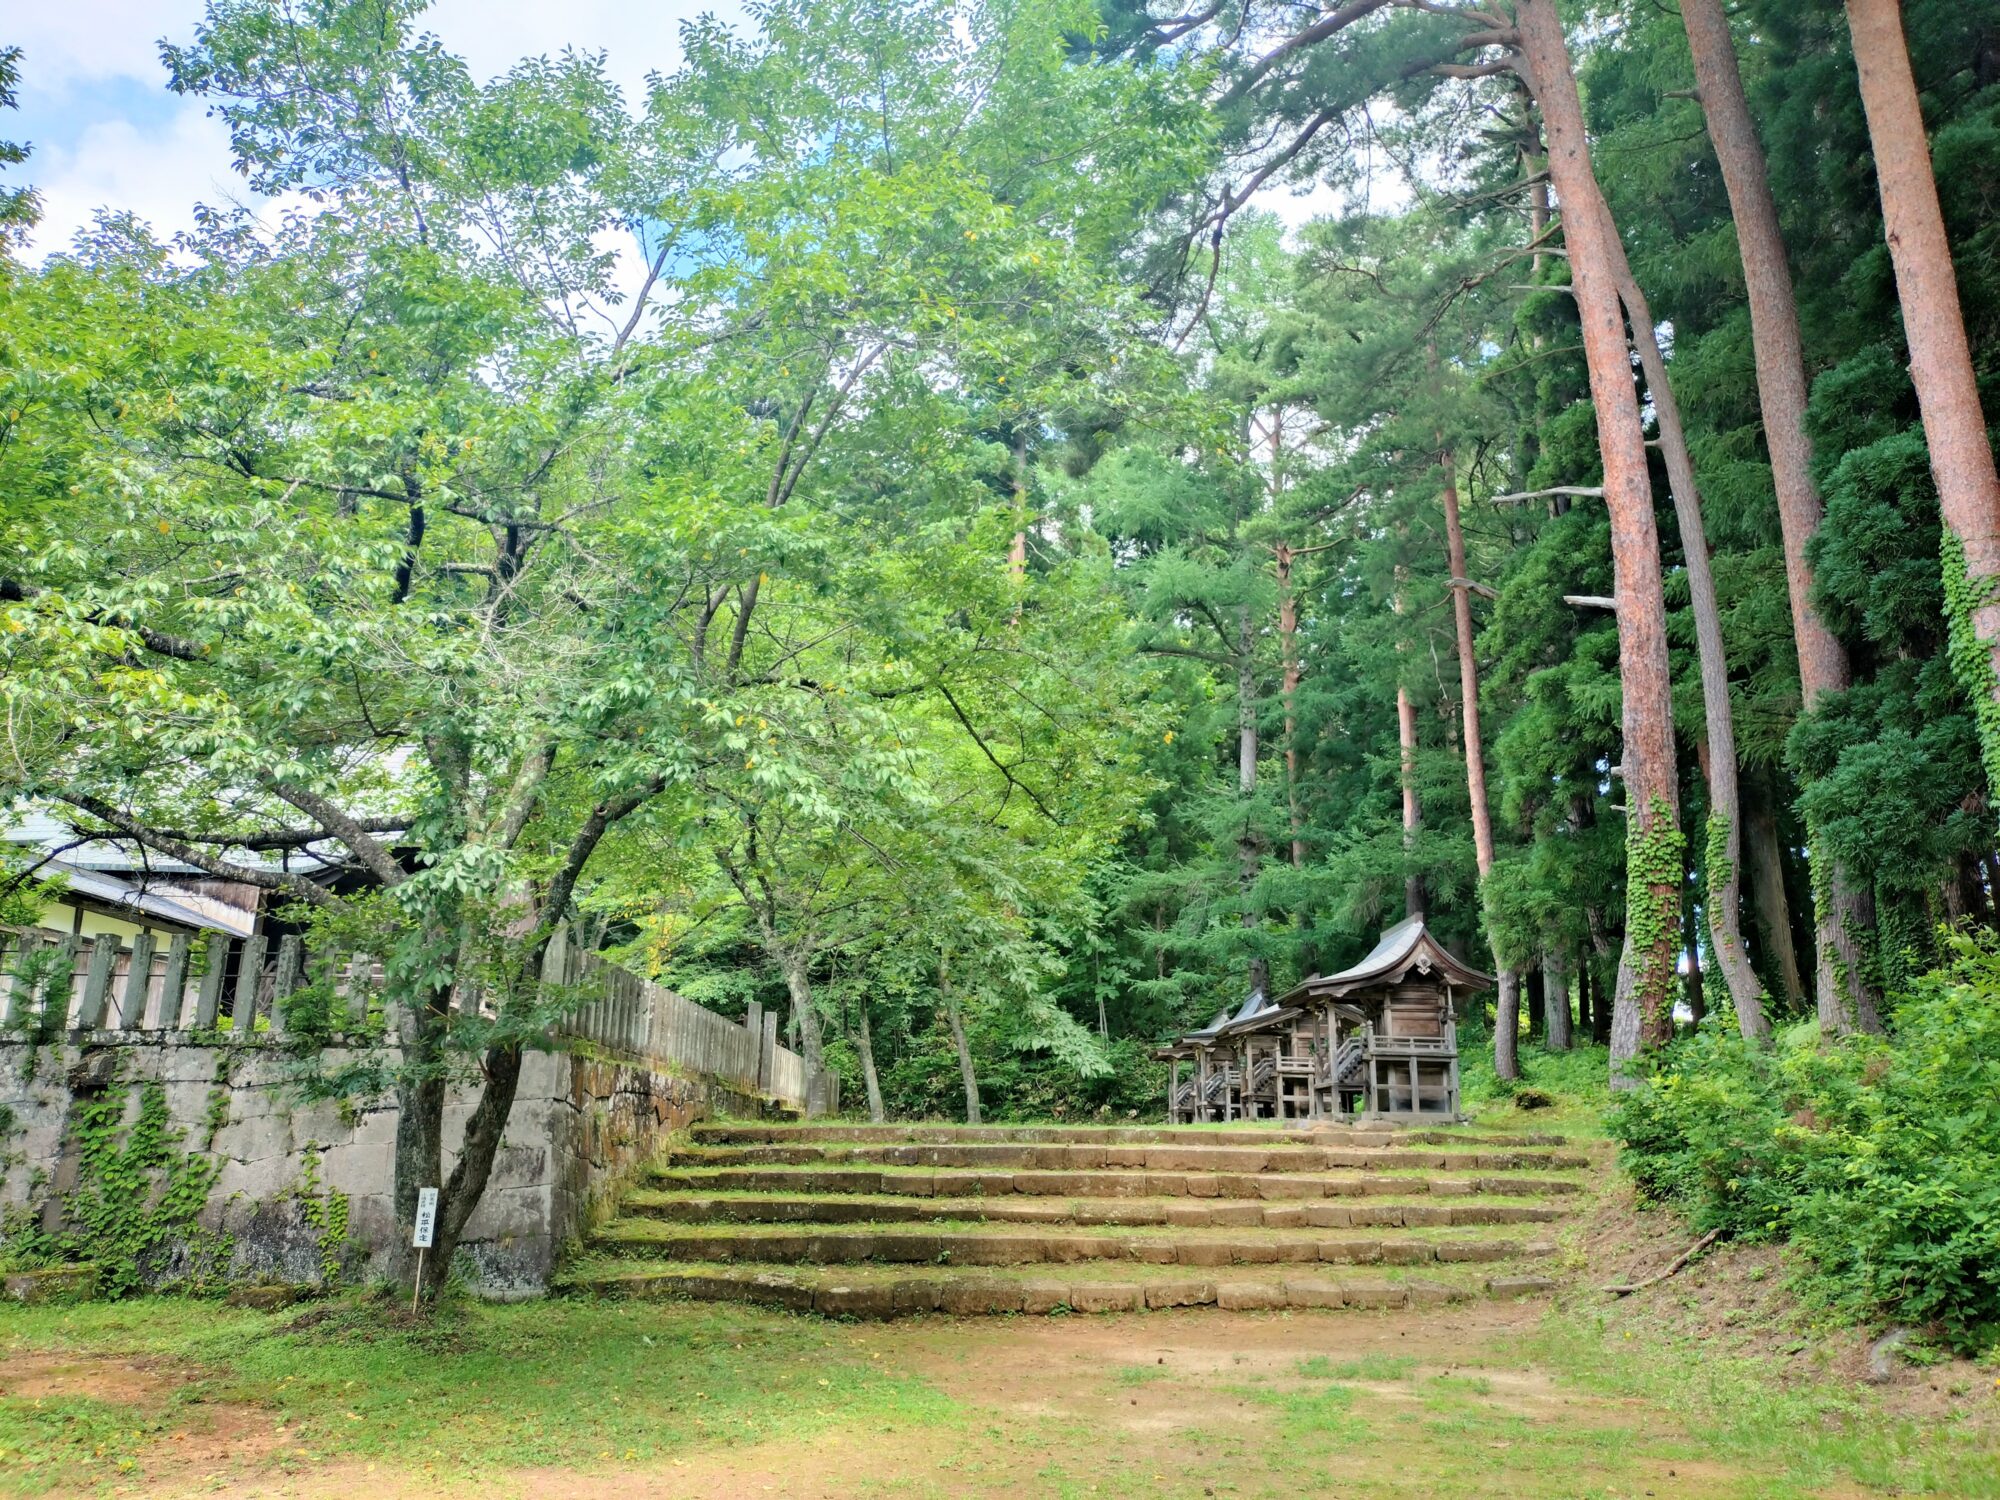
[(638, 38), (160, 175), (96, 39), (160, 172)]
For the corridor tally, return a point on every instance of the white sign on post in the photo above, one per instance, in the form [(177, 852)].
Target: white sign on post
[(427, 1218)]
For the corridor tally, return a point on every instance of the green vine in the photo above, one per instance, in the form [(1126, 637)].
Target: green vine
[(1717, 867), (1971, 658), (1844, 975), (1655, 858), (134, 1211), (326, 1213), (216, 1115)]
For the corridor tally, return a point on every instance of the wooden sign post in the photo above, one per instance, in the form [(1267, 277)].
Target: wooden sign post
[(424, 1234)]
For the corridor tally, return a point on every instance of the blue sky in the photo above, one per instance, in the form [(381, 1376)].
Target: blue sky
[(106, 131)]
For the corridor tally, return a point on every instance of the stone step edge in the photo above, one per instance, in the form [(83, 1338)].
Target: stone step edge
[(1033, 1182), (1205, 1213), (986, 1249), (1081, 1158), (986, 1296), (732, 1132)]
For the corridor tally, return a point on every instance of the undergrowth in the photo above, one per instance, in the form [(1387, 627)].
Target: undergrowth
[(1873, 1156)]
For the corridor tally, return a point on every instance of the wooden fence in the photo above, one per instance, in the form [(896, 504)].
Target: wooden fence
[(52, 985)]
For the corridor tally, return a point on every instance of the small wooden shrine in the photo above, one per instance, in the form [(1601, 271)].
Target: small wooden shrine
[(1378, 1041)]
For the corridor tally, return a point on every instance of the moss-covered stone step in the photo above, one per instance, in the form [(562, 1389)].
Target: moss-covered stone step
[(685, 1208), (880, 1293), (921, 1182), (1003, 1246), (750, 1133), (1180, 1157)]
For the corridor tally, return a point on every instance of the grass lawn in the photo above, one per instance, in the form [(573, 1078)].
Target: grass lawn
[(582, 1398)]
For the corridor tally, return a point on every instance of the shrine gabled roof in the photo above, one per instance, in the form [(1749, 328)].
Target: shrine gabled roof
[(1194, 1040), (1406, 946)]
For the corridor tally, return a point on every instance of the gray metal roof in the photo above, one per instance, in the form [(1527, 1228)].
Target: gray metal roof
[(178, 908), (1407, 945)]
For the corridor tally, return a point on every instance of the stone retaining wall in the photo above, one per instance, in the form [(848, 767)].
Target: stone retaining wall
[(302, 1191)]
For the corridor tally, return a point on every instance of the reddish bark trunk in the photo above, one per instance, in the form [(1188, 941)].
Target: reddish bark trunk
[(1725, 883), (1651, 794), (1940, 356), (1507, 1019), (1781, 393), (1413, 812), (1288, 634)]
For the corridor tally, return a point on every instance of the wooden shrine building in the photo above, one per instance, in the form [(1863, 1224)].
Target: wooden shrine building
[(1378, 1041)]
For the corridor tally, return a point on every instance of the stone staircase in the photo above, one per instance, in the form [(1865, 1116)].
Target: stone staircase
[(883, 1220)]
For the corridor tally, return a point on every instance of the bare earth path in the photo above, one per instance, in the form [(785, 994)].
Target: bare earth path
[(1172, 1403)]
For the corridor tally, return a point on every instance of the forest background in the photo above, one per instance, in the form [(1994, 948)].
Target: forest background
[(992, 594)]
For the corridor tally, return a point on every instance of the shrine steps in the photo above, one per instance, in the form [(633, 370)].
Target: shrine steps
[(922, 1183), (1007, 1245), (688, 1208), (747, 1133), (869, 1292), (878, 1221), (1200, 1156)]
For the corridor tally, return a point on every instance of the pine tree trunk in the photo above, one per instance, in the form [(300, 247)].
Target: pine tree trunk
[(1781, 394), (955, 1015), (1767, 891), (1623, 1031), (1654, 848), (1507, 1020), (1555, 999), (1413, 812), (1536, 988), (1723, 862), (1940, 363), (1288, 634), (864, 1043), (1246, 783), (1415, 900), (1586, 1024)]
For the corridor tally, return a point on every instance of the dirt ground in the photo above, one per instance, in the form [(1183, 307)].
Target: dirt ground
[(1482, 1399), (1193, 1403)]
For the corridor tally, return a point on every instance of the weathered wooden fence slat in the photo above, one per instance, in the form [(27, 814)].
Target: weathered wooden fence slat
[(60, 990), (131, 1012), (173, 982), (287, 978), (208, 1002), (249, 981)]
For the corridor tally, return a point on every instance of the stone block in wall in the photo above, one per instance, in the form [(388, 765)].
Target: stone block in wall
[(262, 1137)]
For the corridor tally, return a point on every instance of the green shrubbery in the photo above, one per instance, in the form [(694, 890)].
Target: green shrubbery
[(1878, 1158)]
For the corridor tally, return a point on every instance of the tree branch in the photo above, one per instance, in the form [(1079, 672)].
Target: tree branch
[(1583, 491), (1005, 770), (380, 863), (155, 641), (221, 869)]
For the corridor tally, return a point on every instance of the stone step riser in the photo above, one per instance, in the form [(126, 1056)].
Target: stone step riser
[(1026, 1250), (1237, 1159), (1105, 1184), (973, 1298), (733, 1134), (1193, 1215)]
